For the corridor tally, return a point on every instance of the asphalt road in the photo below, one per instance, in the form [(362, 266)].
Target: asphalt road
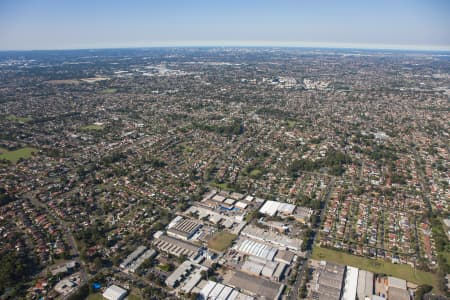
[(304, 267)]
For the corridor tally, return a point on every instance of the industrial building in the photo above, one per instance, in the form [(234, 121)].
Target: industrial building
[(134, 255), (350, 283), (175, 246), (187, 272), (214, 290), (398, 294), (271, 208), (396, 282), (303, 214), (270, 269), (328, 281), (284, 256), (114, 292), (274, 238), (365, 284), (257, 249), (257, 286), (183, 228), (397, 289), (150, 253)]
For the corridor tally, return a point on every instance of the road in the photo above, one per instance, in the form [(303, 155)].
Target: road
[(301, 273)]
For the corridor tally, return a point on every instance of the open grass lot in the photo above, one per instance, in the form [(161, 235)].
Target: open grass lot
[(15, 155), (221, 241), (18, 119), (134, 297), (377, 266), (109, 91), (92, 127)]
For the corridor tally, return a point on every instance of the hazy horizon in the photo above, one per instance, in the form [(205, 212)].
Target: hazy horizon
[(50, 25)]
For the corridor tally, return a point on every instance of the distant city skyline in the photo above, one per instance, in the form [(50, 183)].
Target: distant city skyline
[(82, 24)]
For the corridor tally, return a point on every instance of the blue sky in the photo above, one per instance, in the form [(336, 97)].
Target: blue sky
[(63, 24)]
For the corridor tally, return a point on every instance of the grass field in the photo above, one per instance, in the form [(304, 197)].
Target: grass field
[(291, 123), (14, 156), (377, 266), (92, 127), (221, 241), (109, 91), (256, 173), (18, 119)]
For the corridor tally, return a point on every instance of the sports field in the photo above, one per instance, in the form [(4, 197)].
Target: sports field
[(109, 91), (14, 156), (93, 127)]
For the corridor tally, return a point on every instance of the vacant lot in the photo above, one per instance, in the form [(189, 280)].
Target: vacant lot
[(15, 155), (221, 241), (377, 266)]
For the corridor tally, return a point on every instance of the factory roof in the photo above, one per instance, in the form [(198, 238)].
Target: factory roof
[(256, 285), (398, 294), (179, 273), (272, 237), (135, 254), (114, 292), (351, 283), (271, 208), (396, 282), (365, 284), (257, 249)]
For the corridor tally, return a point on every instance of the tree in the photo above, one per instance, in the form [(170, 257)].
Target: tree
[(422, 290)]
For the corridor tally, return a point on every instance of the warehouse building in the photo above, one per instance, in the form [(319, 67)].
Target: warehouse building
[(350, 283), (256, 286), (140, 260), (274, 238), (133, 256), (183, 229), (114, 292), (271, 208), (214, 290), (187, 272), (269, 269), (285, 256), (365, 284), (257, 249), (303, 214), (176, 247), (397, 289), (327, 281), (396, 282), (398, 294)]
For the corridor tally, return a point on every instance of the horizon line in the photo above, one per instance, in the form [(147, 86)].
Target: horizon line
[(240, 44)]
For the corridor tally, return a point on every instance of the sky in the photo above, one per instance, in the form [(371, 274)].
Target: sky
[(88, 24)]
